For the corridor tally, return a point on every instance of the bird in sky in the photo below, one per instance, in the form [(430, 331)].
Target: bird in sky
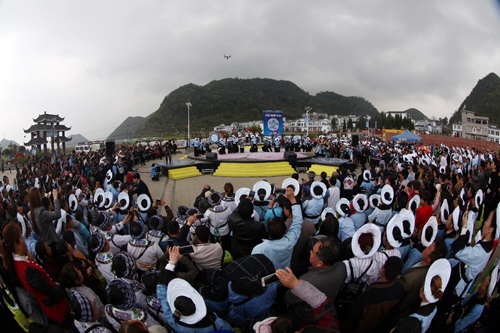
[(227, 56)]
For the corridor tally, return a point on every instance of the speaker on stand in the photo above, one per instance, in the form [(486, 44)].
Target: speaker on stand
[(110, 148)]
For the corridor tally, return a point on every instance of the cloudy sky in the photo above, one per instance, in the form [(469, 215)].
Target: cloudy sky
[(96, 62)]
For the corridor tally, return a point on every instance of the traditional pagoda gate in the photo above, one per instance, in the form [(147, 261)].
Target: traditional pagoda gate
[(48, 126)]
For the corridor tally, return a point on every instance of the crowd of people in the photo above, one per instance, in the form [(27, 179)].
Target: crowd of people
[(403, 243)]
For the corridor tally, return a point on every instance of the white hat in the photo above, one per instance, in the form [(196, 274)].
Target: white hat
[(393, 224), (179, 287), (442, 169), (243, 191), (414, 203), (319, 184), (109, 176), (116, 159), (108, 199), (442, 268), (342, 207), (367, 176), (99, 197), (374, 200), (73, 203), (262, 184), (377, 238), (478, 199), (431, 223), (387, 194), (143, 202), (408, 218), (360, 202), (462, 195), (493, 279), (291, 182), (124, 196), (327, 210), (456, 218), (444, 211)]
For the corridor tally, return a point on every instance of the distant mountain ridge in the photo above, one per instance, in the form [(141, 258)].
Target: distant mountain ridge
[(416, 114), (484, 100), (6, 142), (237, 100)]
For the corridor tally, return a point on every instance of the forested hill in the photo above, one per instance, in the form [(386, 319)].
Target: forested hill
[(237, 100), (484, 100)]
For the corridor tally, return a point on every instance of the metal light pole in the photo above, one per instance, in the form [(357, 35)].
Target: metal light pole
[(189, 105), (307, 109)]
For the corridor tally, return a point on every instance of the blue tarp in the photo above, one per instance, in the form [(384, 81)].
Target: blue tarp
[(406, 136)]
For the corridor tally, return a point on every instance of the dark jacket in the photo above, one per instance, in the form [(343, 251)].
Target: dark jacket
[(246, 234), (373, 308)]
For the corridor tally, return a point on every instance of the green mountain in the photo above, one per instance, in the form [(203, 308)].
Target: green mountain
[(416, 114), (484, 100), (127, 129), (237, 100)]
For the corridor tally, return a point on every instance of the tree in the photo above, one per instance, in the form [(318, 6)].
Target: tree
[(344, 127)]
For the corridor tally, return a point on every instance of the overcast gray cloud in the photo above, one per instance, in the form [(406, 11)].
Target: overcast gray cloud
[(97, 62)]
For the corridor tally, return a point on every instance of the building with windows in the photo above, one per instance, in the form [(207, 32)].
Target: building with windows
[(494, 134), (474, 127), (456, 130), (402, 114)]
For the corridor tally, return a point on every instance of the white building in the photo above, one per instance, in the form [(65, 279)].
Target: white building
[(456, 130), (402, 114), (494, 134)]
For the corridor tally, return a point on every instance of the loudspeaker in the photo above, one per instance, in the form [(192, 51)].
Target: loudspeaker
[(211, 156), (290, 156), (110, 148), (355, 140)]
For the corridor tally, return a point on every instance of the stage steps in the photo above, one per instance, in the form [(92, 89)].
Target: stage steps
[(268, 169), (318, 168), (182, 173)]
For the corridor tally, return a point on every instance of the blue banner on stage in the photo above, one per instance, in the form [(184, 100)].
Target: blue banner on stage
[(273, 122)]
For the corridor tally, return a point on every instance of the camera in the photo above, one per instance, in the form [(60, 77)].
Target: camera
[(278, 191), (251, 195)]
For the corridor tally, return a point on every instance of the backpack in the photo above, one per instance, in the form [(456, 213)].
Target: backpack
[(350, 292)]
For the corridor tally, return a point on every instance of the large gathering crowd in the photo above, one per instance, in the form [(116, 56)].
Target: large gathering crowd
[(402, 243)]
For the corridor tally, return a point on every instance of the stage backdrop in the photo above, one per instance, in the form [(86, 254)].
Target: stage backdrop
[(273, 122)]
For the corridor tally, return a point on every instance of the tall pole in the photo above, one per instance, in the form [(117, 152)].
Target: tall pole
[(307, 109), (188, 104)]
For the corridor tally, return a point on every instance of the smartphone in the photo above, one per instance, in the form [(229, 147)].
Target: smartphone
[(131, 213), (186, 249), (268, 279), (170, 243), (158, 201), (251, 195)]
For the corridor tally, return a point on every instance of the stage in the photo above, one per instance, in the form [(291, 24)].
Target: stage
[(259, 163), (248, 157)]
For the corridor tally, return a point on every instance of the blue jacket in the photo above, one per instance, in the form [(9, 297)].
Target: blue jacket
[(279, 251), (255, 309)]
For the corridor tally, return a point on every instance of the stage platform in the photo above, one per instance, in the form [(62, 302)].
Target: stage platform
[(258, 164)]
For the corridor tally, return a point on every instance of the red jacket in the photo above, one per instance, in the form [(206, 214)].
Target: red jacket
[(57, 312)]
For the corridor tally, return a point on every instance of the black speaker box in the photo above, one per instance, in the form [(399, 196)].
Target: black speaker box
[(290, 155), (355, 140), (110, 148), (211, 156)]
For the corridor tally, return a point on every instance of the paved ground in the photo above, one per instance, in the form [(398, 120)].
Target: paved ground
[(184, 192)]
